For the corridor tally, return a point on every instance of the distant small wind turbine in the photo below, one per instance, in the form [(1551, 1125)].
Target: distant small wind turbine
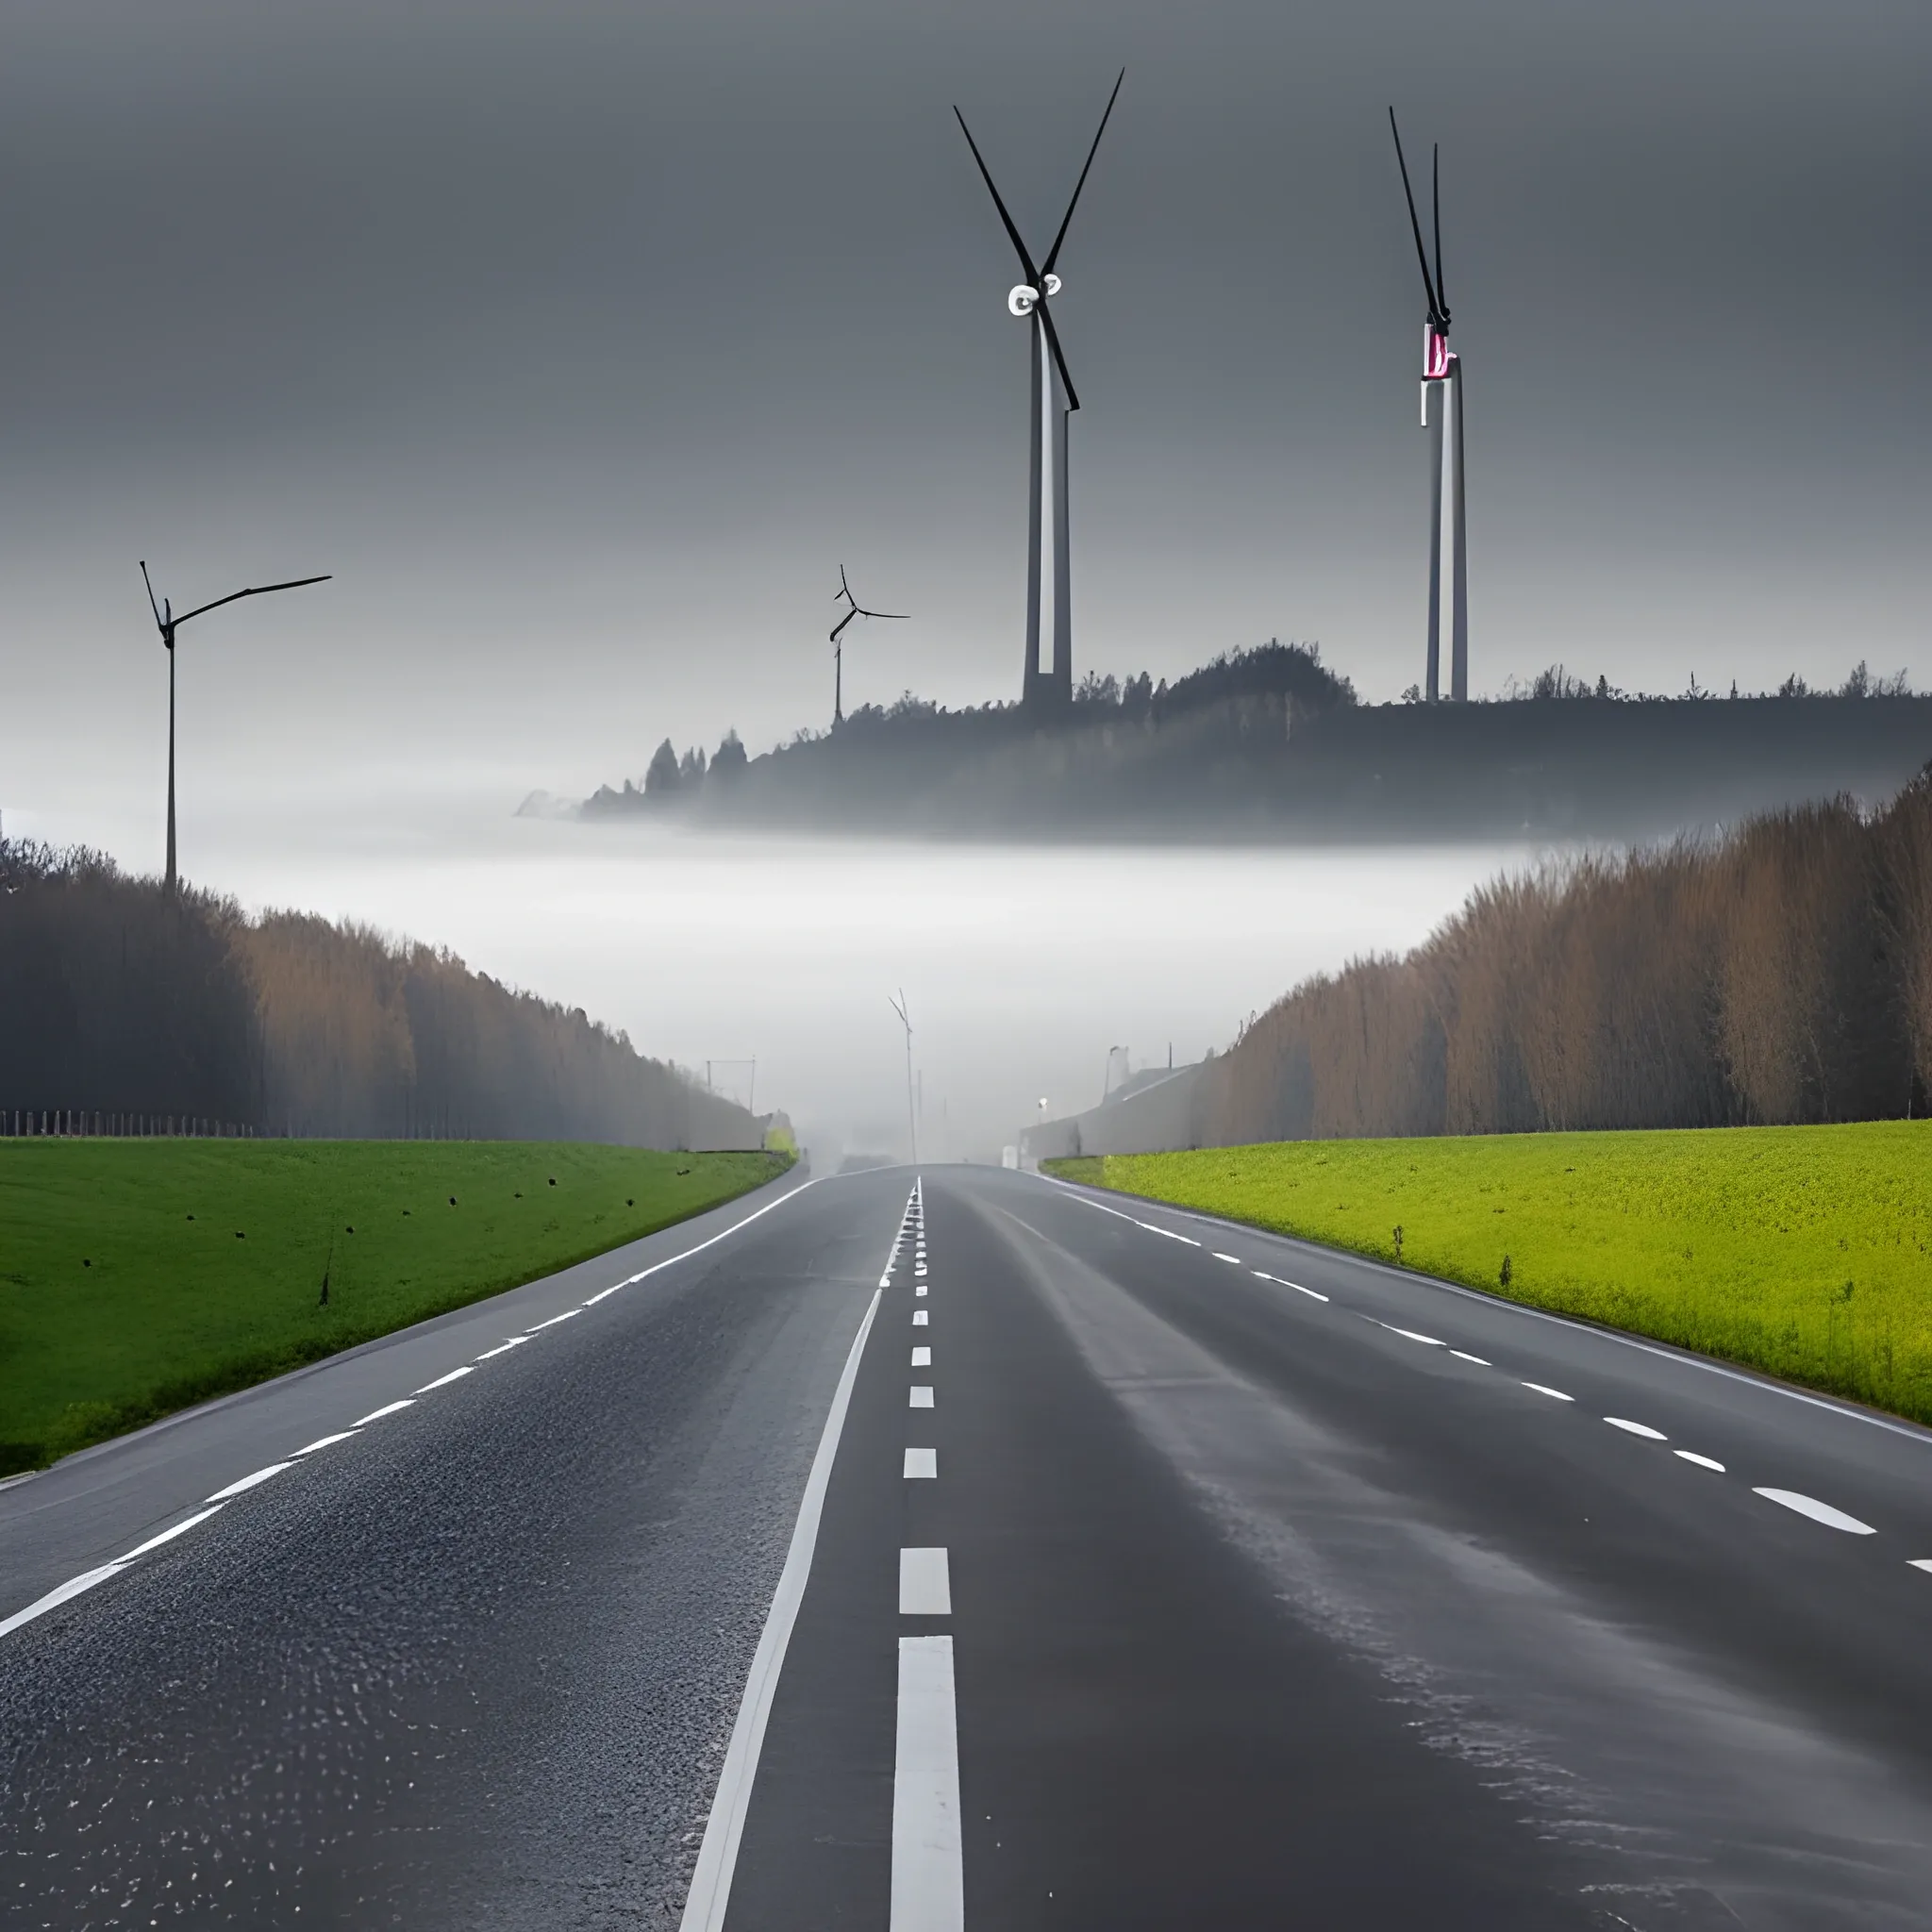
[(168, 624), (898, 1005), (843, 594)]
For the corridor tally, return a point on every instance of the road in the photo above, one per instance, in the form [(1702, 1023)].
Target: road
[(1165, 1574)]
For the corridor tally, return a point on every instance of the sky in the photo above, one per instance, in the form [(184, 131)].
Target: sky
[(582, 344)]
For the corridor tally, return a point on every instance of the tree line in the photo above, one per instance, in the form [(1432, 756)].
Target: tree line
[(119, 1000), (1781, 973)]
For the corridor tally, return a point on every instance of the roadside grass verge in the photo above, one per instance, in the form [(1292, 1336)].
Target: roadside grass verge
[(140, 1277), (1803, 1251)]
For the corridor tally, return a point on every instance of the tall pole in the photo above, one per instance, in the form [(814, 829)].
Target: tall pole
[(839, 683), (1451, 436), (1062, 552), (900, 1007), (1432, 422), (1036, 464), (168, 887)]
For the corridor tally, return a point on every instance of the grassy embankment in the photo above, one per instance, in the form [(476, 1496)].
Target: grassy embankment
[(138, 1277), (1805, 1252)]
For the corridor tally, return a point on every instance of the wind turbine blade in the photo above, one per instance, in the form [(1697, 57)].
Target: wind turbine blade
[(841, 624), (1436, 217), (1422, 254), (895, 615), (1012, 233), (151, 603), (1052, 342), (1053, 254), (253, 590)]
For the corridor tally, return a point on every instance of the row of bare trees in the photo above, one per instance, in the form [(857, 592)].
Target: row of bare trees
[(1780, 974), (118, 999)]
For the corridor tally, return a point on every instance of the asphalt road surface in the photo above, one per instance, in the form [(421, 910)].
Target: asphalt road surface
[(971, 1550)]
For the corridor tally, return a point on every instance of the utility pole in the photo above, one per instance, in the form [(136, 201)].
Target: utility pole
[(898, 1005)]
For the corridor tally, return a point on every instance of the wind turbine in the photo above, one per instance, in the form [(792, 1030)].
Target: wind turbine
[(1046, 479), (898, 1005), (168, 624), (1448, 524), (858, 609)]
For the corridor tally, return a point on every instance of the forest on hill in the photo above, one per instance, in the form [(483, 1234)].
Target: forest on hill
[(127, 1007), (1269, 743)]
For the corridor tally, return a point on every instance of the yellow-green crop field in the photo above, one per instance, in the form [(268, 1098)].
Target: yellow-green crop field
[(1805, 1252)]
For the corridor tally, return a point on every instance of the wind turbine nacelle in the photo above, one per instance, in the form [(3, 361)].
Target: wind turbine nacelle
[(1437, 361), (1022, 299)]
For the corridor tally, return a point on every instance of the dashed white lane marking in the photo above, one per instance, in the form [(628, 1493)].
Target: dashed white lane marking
[(1169, 1233), (249, 1482), (920, 1290), (375, 1415), (1463, 1355), (1220, 1257), (1702, 1461), (1410, 1335), (926, 1583), (503, 1347), (922, 1358), (54, 1598), (444, 1381), (920, 1318), (1300, 1290), (1556, 1393), (567, 1315), (324, 1443), (1643, 1429), (1817, 1512), (1919, 1563), (922, 1463), (928, 1888), (710, 1884), (922, 1397), (168, 1536)]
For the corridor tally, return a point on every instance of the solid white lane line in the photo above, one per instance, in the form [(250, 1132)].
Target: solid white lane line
[(375, 1415), (929, 1888), (1702, 1461), (592, 1301), (921, 1398), (166, 1537), (248, 1482), (1462, 1356), (568, 1314), (710, 1884), (1220, 1257), (1556, 1393), (886, 1279), (922, 1462), (926, 1583), (1643, 1429), (1817, 1512), (920, 1290), (503, 1347), (64, 1592), (326, 1442), (920, 1318), (444, 1381), (922, 1358)]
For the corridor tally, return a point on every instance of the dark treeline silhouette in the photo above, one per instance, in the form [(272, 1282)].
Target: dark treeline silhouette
[(1269, 743), (120, 1000), (1780, 974)]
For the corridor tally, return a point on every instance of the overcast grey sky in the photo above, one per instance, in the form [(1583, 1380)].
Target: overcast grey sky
[(583, 342)]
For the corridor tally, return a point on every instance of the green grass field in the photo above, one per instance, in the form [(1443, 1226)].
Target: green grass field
[(138, 1276), (1805, 1252)]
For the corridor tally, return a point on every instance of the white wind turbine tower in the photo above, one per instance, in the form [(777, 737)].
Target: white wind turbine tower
[(1046, 479), (1448, 523)]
